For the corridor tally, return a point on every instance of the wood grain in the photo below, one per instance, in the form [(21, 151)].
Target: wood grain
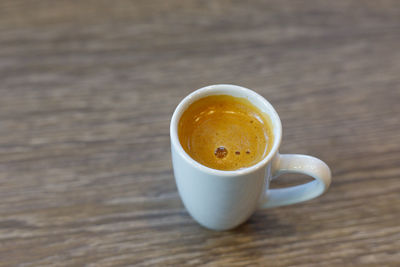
[(87, 89)]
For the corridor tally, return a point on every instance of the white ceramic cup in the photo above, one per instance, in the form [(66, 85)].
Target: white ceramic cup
[(222, 200)]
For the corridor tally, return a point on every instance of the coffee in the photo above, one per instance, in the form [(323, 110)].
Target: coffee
[(225, 132)]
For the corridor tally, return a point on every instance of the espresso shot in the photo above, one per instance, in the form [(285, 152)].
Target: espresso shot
[(225, 133)]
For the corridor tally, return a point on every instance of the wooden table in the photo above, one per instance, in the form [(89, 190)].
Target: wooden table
[(87, 89)]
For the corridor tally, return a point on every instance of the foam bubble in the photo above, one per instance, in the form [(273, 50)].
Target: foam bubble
[(221, 152)]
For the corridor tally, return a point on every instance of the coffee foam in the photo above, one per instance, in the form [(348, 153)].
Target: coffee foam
[(225, 132)]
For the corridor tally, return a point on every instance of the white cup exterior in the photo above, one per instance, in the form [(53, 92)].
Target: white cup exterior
[(222, 200)]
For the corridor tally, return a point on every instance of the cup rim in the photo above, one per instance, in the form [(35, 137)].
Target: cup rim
[(215, 90)]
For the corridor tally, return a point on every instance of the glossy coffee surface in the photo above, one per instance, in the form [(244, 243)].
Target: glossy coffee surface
[(225, 132)]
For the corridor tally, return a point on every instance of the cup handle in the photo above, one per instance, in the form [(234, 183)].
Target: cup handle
[(295, 163)]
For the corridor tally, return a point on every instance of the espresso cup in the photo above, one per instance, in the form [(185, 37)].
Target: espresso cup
[(222, 200)]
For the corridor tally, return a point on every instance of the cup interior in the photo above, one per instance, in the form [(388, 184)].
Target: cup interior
[(237, 91)]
